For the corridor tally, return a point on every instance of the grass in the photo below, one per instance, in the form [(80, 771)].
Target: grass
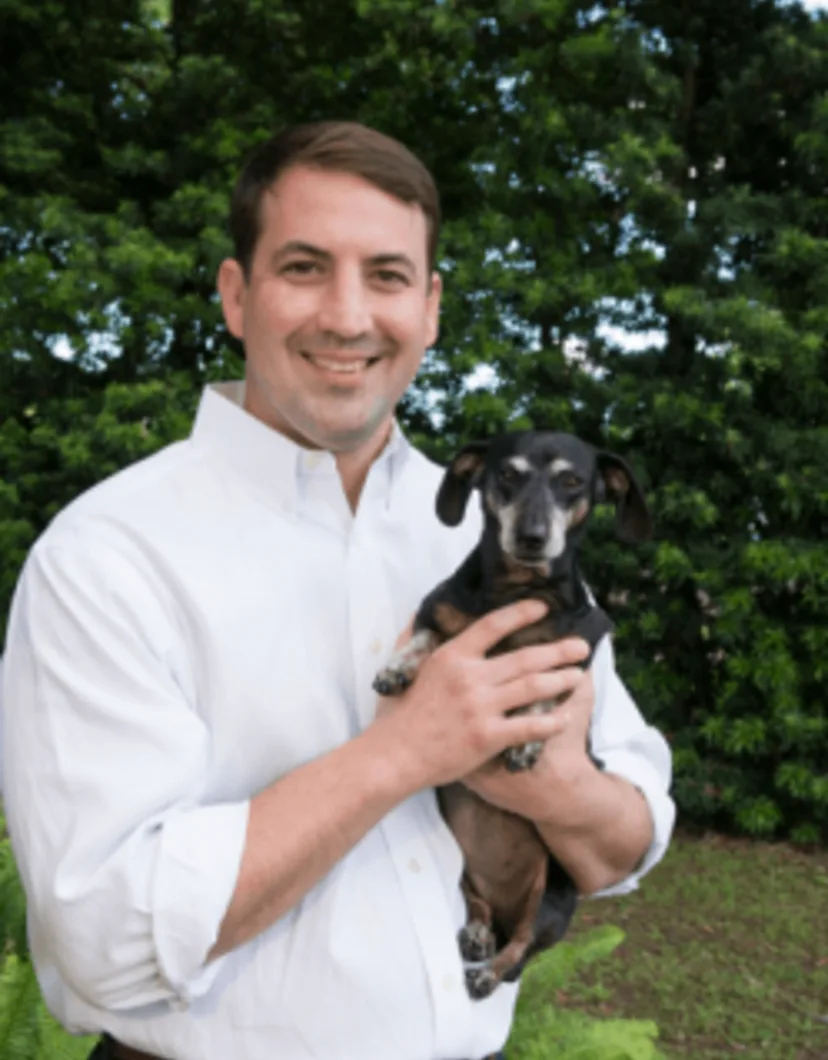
[(726, 949)]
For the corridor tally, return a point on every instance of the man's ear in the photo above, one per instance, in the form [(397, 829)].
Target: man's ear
[(462, 475), (435, 290), (232, 288), (618, 484)]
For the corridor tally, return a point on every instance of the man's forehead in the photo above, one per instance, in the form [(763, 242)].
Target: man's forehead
[(331, 209)]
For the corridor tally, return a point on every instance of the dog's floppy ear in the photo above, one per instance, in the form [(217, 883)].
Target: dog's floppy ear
[(462, 475), (616, 482)]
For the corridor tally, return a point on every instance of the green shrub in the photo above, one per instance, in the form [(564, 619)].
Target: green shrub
[(27, 1030), (542, 1031)]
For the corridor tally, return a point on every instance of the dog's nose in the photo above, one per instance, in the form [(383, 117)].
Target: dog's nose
[(531, 538)]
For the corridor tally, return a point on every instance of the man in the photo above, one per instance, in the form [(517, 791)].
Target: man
[(228, 851)]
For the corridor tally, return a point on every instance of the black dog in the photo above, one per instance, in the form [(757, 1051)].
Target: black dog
[(538, 489)]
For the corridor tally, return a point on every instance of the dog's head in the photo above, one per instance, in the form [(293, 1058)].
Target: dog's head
[(538, 489)]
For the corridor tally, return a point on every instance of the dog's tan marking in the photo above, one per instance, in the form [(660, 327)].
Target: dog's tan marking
[(467, 464), (617, 481), (579, 512), (521, 573), (450, 619)]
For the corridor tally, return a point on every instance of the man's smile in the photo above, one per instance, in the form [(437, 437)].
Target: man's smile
[(341, 366)]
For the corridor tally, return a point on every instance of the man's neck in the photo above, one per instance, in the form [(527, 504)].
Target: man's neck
[(354, 466)]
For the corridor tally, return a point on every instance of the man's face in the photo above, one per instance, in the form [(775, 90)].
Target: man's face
[(337, 311)]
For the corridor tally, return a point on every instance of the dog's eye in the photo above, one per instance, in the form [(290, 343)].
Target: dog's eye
[(570, 481), (508, 475)]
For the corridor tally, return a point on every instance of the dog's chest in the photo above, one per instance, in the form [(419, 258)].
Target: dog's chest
[(553, 627)]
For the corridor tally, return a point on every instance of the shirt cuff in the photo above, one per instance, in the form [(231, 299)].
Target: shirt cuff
[(646, 778), (198, 866)]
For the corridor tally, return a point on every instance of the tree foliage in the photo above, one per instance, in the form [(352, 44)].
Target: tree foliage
[(635, 167)]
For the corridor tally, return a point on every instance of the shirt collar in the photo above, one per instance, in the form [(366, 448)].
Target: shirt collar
[(264, 457)]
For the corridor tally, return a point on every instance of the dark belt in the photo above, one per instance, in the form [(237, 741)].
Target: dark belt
[(112, 1050), (108, 1049)]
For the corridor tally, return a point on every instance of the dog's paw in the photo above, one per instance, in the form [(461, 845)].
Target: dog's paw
[(477, 941), (392, 682), (523, 757), (480, 982)]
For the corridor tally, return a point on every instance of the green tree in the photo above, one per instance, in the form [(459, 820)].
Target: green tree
[(728, 625), (638, 164)]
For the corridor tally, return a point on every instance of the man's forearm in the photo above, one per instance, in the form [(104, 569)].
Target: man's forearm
[(454, 718), (303, 824), (600, 832)]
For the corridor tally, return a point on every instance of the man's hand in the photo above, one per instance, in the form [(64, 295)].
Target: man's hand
[(453, 719), (563, 767)]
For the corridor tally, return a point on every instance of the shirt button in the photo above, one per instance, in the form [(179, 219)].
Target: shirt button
[(414, 865), (449, 982), (376, 646)]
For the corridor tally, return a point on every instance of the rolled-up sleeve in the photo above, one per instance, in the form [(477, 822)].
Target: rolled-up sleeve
[(631, 748), (127, 865)]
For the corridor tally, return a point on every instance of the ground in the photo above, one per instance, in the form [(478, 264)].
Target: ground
[(726, 949)]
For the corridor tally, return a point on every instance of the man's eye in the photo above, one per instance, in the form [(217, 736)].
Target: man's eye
[(301, 268), (391, 278)]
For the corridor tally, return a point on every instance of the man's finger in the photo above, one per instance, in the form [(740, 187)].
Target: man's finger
[(538, 687), (513, 664), (486, 632), (526, 728)]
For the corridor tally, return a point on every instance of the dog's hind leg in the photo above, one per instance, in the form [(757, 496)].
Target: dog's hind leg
[(480, 982), (476, 938)]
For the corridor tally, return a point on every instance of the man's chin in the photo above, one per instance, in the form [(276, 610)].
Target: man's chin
[(350, 439), (348, 435), (335, 424)]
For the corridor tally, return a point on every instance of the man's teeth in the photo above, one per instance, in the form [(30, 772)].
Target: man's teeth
[(340, 366)]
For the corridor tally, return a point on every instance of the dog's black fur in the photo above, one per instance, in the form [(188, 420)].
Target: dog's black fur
[(538, 489)]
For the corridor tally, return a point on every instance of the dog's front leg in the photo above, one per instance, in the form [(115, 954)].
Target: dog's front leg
[(404, 664)]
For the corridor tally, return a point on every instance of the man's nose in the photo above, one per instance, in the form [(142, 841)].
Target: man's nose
[(345, 307)]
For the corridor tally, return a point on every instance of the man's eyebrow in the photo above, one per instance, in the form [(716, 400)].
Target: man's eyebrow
[(296, 246), (394, 259)]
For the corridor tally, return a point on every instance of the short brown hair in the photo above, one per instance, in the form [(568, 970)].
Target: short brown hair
[(342, 146)]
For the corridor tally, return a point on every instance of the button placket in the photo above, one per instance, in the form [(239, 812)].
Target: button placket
[(431, 915), (372, 617)]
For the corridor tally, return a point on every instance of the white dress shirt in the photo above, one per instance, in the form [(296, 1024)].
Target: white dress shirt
[(182, 635)]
